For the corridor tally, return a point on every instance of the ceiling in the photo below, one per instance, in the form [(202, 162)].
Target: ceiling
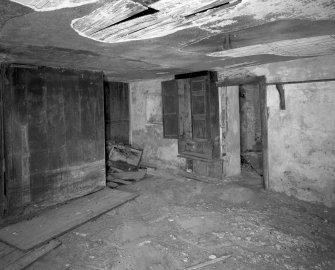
[(142, 39)]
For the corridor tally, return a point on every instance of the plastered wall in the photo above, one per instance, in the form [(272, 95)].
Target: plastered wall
[(302, 141), (147, 126), (302, 137)]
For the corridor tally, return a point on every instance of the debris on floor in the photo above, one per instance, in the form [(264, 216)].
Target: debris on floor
[(123, 165), (179, 224), (212, 260)]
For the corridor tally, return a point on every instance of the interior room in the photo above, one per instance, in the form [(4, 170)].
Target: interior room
[(167, 134)]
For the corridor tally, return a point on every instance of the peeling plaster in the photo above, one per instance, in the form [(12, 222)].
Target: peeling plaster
[(49, 5), (313, 46), (239, 14)]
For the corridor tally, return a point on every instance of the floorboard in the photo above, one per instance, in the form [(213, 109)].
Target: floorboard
[(52, 223)]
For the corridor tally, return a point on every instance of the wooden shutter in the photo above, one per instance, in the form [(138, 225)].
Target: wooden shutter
[(170, 109), (2, 153), (199, 108)]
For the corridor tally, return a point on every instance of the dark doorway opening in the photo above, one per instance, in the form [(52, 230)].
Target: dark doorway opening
[(251, 127)]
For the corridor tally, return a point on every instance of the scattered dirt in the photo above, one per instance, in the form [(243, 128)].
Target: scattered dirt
[(177, 223), (237, 194)]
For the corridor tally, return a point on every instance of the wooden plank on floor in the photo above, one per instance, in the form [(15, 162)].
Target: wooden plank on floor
[(120, 181), (112, 185), (8, 255), (213, 261), (5, 250), (54, 222), (136, 176), (197, 177), (31, 256)]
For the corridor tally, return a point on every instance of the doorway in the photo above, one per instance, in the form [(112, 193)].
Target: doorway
[(252, 95), (251, 127)]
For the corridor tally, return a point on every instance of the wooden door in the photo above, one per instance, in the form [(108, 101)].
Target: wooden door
[(117, 112), (54, 135), (195, 117)]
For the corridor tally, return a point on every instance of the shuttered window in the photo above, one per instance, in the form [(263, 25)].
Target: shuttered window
[(199, 109), (170, 109)]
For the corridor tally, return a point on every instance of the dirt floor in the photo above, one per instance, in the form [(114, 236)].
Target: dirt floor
[(177, 223)]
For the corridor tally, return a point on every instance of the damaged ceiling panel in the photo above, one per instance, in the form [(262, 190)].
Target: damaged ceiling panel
[(169, 16), (160, 19), (313, 46), (48, 5), (107, 16), (167, 36), (178, 8)]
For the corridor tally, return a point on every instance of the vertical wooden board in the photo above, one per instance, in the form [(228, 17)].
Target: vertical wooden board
[(100, 117), (56, 131), (37, 117), (123, 121), (2, 179), (16, 137), (233, 159), (120, 100), (115, 100), (170, 108), (72, 107), (40, 101), (214, 114), (37, 121), (117, 112), (125, 99), (37, 129), (88, 110), (222, 120), (187, 109), (93, 88), (181, 100), (200, 108), (258, 127), (7, 138), (264, 124), (108, 88)]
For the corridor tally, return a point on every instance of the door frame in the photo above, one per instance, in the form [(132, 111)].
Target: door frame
[(3, 191), (261, 81)]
